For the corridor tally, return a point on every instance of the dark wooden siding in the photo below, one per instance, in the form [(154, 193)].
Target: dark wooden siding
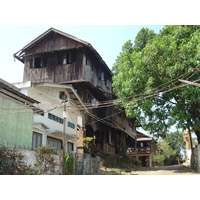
[(54, 42), (95, 72), (52, 69)]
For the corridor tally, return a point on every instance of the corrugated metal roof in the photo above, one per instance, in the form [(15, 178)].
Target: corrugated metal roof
[(5, 86)]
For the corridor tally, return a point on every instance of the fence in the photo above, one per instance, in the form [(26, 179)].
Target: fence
[(85, 164)]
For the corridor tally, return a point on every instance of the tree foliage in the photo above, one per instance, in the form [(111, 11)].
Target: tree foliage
[(165, 155), (146, 78), (176, 142)]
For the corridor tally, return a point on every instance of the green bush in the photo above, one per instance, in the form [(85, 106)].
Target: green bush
[(88, 145), (69, 164), (12, 162), (45, 162)]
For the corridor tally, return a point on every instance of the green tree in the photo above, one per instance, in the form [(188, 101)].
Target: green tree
[(147, 84), (143, 37), (176, 142), (165, 155)]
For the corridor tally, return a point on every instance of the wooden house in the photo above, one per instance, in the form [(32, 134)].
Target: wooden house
[(143, 149), (59, 58)]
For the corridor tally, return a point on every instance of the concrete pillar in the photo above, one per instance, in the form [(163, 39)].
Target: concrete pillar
[(44, 139), (198, 158)]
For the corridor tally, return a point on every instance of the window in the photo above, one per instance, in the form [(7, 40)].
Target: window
[(99, 73), (64, 60), (35, 62), (55, 143), (108, 84), (36, 140), (70, 147), (38, 62), (62, 95), (102, 76), (55, 118), (67, 58), (94, 102), (71, 125)]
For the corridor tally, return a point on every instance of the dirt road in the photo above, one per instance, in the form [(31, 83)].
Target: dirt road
[(166, 170)]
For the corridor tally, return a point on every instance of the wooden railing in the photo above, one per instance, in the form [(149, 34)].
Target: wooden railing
[(140, 150), (58, 74)]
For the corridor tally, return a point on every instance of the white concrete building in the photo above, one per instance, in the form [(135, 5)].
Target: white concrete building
[(49, 123)]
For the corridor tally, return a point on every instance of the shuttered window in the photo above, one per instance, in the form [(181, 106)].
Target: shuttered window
[(36, 140), (55, 143)]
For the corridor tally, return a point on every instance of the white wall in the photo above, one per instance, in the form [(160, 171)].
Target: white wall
[(50, 103)]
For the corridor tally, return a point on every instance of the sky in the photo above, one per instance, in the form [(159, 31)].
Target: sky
[(106, 39)]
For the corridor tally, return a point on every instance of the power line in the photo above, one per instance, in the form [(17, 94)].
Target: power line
[(108, 103), (189, 82)]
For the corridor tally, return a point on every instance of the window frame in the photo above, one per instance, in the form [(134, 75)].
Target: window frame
[(71, 125), (39, 64), (55, 118), (38, 135)]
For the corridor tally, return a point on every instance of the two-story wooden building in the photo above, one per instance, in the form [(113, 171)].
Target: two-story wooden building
[(143, 149), (59, 58)]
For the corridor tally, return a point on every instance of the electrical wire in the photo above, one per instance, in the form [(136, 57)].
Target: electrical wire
[(103, 105)]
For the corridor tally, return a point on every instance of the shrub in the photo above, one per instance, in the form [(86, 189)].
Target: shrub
[(12, 162), (45, 162), (69, 164), (88, 145)]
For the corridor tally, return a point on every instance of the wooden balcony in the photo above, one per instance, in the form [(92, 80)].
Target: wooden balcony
[(136, 151), (59, 73)]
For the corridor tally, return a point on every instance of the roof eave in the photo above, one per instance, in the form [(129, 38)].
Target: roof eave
[(19, 54)]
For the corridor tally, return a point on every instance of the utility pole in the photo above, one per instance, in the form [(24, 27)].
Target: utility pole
[(64, 138)]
